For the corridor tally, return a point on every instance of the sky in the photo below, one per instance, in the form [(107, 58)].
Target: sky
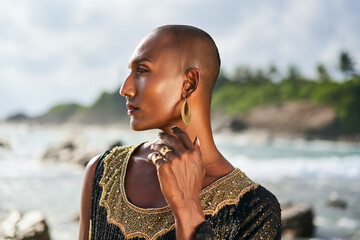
[(70, 51)]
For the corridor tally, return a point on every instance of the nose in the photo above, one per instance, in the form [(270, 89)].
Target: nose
[(127, 88)]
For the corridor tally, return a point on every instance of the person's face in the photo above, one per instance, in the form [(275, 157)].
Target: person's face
[(153, 87)]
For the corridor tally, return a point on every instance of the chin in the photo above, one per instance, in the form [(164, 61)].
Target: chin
[(137, 126)]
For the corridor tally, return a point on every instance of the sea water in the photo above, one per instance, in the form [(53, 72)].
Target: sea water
[(293, 169)]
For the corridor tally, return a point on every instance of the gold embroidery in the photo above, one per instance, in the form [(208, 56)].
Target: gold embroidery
[(90, 230), (217, 195), (150, 223)]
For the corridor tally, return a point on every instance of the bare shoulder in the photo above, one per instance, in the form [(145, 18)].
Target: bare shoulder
[(91, 166), (90, 172), (89, 177), (86, 197)]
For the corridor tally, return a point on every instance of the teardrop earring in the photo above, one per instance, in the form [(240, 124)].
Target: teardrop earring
[(186, 118)]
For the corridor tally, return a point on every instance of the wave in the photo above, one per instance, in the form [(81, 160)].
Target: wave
[(300, 167)]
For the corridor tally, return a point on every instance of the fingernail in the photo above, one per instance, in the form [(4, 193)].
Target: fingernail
[(198, 141)]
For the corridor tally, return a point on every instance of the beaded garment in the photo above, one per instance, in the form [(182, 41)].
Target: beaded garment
[(234, 207)]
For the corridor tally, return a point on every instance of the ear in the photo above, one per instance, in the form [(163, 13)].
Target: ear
[(191, 83)]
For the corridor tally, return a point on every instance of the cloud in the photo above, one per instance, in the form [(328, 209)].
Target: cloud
[(300, 32), (54, 51)]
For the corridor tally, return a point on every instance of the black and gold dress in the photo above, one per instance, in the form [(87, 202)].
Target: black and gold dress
[(234, 206)]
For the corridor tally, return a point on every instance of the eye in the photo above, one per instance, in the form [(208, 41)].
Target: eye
[(141, 69)]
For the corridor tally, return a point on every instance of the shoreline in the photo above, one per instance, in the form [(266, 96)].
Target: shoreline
[(262, 133), (295, 170)]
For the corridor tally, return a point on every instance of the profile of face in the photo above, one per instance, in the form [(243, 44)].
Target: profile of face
[(154, 86)]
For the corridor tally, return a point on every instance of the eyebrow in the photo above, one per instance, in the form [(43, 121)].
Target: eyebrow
[(137, 61)]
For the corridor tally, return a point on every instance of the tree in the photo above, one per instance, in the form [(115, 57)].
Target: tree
[(242, 74), (293, 74), (259, 77), (346, 64), (323, 74), (221, 81), (273, 73)]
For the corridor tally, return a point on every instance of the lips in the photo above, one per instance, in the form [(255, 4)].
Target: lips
[(131, 109)]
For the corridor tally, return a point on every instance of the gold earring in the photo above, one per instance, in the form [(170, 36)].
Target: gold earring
[(186, 118)]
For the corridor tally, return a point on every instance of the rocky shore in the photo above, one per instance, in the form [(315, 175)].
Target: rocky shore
[(305, 214), (29, 226), (297, 217), (75, 151), (297, 221), (302, 119)]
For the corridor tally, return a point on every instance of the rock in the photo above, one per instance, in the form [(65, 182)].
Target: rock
[(73, 151), (338, 203), (17, 117), (220, 121), (335, 201), (4, 143), (237, 125), (31, 226), (303, 118), (8, 225), (62, 151), (75, 217), (297, 220)]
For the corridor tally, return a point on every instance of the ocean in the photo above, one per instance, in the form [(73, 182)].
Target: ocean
[(295, 170)]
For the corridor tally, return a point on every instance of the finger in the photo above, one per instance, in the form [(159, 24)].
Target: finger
[(197, 149), (183, 137), (173, 142), (155, 159), (197, 143), (169, 155)]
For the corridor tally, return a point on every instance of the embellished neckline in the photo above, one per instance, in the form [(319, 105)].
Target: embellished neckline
[(165, 208), (123, 191), (150, 223)]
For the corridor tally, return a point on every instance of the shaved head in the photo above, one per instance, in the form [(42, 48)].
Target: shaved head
[(171, 64), (194, 48)]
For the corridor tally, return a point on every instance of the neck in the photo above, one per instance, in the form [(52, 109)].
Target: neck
[(200, 126)]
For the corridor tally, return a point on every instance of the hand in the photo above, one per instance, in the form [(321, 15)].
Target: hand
[(181, 173)]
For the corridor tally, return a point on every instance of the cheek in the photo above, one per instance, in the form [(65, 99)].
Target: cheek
[(165, 88), (170, 95)]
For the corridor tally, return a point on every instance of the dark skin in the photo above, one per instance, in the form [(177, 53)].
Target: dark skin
[(158, 83)]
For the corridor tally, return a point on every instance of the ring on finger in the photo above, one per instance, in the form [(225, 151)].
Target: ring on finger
[(164, 150), (155, 157)]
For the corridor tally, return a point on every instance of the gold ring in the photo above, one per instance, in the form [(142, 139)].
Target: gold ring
[(164, 150), (155, 157)]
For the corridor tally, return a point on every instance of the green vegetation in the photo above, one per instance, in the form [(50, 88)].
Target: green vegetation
[(110, 102), (64, 111), (108, 108), (246, 88)]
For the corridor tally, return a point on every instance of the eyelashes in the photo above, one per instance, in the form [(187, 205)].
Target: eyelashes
[(141, 69)]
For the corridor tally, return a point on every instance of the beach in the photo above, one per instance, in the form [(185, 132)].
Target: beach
[(295, 170)]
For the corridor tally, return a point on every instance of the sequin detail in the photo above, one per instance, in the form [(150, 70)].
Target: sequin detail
[(90, 230), (151, 223)]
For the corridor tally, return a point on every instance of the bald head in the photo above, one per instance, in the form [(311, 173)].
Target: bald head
[(194, 48)]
